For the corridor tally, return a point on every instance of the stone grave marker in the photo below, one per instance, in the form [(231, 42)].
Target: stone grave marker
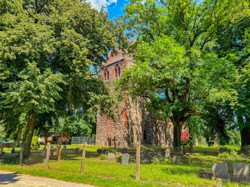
[(111, 156), (125, 159), (220, 170), (240, 171), (176, 159), (64, 148), (167, 153)]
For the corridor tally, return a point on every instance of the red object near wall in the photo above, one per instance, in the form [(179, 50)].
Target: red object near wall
[(184, 136)]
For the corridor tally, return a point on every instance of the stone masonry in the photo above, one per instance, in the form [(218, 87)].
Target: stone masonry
[(134, 123)]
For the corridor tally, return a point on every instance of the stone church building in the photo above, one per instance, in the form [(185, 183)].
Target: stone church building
[(134, 122)]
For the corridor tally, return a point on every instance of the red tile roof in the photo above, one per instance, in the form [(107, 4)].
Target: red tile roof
[(119, 56), (115, 58)]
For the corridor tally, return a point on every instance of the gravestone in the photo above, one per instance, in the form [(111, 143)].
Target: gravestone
[(13, 150), (111, 156), (167, 153), (44, 151), (125, 159), (240, 171), (176, 159), (220, 170), (64, 148)]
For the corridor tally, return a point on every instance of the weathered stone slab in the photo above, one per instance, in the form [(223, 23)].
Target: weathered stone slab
[(111, 156), (10, 155), (125, 159), (64, 148), (176, 159), (240, 172), (167, 153), (240, 169), (220, 170)]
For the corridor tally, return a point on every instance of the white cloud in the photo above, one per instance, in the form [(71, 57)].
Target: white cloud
[(97, 4)]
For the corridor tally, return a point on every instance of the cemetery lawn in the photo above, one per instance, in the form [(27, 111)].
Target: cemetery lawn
[(108, 173)]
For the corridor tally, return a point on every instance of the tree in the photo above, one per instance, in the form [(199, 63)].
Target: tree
[(60, 40), (176, 68)]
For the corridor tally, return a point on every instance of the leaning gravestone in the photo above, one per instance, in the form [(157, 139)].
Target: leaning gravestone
[(64, 148), (240, 171), (220, 170), (125, 159), (111, 156)]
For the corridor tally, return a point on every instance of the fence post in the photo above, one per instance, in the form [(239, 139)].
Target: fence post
[(83, 156), (21, 156), (60, 148), (138, 160), (47, 156)]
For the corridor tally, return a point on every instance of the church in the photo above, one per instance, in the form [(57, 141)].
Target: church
[(134, 123)]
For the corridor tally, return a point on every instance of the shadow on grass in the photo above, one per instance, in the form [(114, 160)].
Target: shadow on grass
[(8, 178)]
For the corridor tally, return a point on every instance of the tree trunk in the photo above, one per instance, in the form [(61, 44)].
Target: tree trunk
[(19, 134), (177, 134), (28, 135), (245, 138)]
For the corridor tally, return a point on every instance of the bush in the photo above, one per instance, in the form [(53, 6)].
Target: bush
[(103, 157), (232, 153), (11, 160), (35, 143), (118, 158)]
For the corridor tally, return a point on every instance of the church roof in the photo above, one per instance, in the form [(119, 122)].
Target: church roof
[(119, 56), (113, 58)]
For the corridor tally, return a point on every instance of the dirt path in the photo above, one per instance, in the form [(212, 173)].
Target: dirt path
[(21, 180)]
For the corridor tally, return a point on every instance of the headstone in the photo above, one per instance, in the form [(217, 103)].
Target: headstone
[(176, 159), (64, 148), (13, 150), (240, 171), (167, 153), (125, 159), (220, 170), (44, 151), (111, 156)]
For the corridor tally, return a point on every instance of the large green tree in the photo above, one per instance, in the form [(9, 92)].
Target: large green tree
[(60, 40), (176, 68)]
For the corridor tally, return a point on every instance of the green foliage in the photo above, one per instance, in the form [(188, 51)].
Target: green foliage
[(176, 69), (35, 143), (11, 160), (103, 157), (228, 155), (47, 49)]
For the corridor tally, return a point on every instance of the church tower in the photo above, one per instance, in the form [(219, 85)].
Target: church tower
[(134, 122)]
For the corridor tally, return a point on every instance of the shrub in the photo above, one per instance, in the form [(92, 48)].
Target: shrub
[(118, 158), (35, 143), (103, 157), (11, 160)]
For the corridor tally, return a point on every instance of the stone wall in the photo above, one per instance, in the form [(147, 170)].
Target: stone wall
[(134, 122)]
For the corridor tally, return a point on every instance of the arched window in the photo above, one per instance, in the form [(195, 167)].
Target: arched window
[(117, 71), (106, 74)]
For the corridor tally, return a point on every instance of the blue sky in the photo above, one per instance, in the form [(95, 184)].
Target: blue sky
[(114, 7)]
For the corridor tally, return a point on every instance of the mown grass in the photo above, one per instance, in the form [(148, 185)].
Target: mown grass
[(107, 173)]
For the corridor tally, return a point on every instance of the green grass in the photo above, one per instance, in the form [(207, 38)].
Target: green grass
[(106, 173)]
